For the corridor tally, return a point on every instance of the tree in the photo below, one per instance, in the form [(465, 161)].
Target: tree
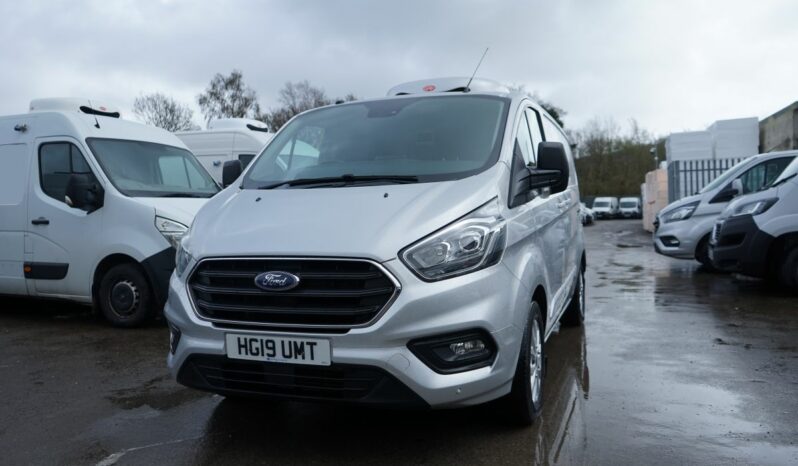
[(228, 97), (164, 112), (295, 98)]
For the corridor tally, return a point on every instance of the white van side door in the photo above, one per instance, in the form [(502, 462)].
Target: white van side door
[(64, 239), (15, 163)]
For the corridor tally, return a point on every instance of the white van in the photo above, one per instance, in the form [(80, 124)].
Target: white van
[(92, 207), (605, 207), (226, 139), (682, 229), (631, 207), (757, 234), (420, 255)]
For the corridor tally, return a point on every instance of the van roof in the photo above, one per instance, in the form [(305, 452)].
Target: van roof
[(258, 130), (451, 84)]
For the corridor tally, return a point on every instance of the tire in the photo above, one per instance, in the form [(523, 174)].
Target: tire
[(788, 272), (125, 297), (525, 401), (574, 314), (702, 255)]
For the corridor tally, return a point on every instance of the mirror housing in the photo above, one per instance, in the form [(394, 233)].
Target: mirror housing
[(732, 190), (552, 173), (231, 170), (552, 158), (84, 192), (737, 186)]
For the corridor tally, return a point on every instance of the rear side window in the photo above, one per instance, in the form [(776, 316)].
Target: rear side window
[(57, 162)]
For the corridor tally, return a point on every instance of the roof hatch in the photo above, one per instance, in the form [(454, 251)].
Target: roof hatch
[(73, 104)]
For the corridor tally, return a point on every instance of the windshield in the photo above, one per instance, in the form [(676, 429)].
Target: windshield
[(147, 169), (427, 138), (601, 204), (628, 204), (788, 172), (724, 177)]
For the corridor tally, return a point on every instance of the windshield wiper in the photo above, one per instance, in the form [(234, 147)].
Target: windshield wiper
[(203, 195), (782, 181), (345, 179)]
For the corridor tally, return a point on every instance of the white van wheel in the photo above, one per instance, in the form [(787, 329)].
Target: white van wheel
[(124, 296), (788, 275)]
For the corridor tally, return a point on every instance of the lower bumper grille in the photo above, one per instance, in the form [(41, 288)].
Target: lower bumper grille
[(339, 382)]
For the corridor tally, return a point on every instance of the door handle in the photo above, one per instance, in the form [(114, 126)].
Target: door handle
[(40, 221)]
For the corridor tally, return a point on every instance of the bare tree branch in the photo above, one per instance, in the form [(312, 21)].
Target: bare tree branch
[(164, 112)]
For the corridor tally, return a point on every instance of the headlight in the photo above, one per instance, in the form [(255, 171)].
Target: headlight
[(754, 208), (472, 243), (680, 213), (182, 259), (170, 230)]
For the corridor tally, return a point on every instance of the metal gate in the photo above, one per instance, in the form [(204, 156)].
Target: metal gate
[(687, 177)]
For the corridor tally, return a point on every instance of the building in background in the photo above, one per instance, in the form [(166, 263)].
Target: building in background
[(780, 130)]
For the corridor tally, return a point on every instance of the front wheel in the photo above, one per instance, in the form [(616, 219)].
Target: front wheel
[(125, 296), (788, 273), (525, 401), (702, 256)]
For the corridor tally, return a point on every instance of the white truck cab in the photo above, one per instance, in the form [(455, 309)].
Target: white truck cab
[(630, 207), (757, 234), (605, 207), (92, 207), (226, 139)]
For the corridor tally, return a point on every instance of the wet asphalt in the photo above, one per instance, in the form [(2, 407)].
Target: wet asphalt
[(674, 366)]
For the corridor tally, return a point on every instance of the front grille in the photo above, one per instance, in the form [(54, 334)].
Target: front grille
[(331, 293), (338, 382)]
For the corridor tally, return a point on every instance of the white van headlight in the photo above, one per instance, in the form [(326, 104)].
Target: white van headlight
[(171, 230), (680, 213), (471, 243), (754, 208), (182, 258)]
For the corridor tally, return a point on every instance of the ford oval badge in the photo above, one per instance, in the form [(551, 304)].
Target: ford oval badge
[(276, 281)]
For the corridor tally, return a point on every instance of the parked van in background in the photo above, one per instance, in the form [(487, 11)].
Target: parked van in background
[(757, 235), (226, 139), (92, 207), (421, 256), (605, 207), (631, 207), (683, 228)]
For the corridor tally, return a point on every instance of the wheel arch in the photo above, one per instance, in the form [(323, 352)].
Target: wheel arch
[(106, 264)]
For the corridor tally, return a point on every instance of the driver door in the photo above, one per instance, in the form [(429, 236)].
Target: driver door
[(62, 238)]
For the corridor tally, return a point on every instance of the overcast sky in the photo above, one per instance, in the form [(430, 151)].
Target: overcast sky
[(673, 65)]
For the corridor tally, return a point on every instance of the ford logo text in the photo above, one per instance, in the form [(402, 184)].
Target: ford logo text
[(276, 281)]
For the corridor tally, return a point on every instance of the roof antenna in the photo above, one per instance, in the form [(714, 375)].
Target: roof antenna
[(96, 122), (467, 87)]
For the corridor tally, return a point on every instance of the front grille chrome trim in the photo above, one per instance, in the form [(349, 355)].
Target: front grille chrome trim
[(293, 326)]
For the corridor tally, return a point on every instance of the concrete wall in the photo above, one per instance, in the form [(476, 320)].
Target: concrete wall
[(780, 130)]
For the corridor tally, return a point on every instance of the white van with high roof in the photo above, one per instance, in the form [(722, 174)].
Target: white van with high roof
[(92, 207)]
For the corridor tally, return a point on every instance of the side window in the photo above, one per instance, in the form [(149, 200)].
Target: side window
[(523, 141), (57, 162), (533, 119), (761, 175)]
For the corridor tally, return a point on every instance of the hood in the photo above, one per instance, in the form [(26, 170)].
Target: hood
[(372, 222), (179, 209)]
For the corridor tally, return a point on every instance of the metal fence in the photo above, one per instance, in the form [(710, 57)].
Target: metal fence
[(686, 177)]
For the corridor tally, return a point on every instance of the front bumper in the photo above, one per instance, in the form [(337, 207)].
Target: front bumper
[(681, 238), (491, 299), (738, 245)]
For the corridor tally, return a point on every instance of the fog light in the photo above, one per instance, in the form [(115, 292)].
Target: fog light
[(455, 352), (669, 241), (174, 338)]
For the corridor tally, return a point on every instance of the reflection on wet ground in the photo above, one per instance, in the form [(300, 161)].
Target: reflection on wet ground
[(675, 365)]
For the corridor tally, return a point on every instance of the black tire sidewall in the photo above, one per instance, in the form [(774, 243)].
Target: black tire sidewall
[(133, 274), (788, 275), (574, 315)]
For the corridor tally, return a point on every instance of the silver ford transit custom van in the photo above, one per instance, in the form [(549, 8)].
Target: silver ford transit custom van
[(419, 255)]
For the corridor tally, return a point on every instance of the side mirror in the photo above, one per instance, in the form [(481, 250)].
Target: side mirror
[(84, 193), (231, 170), (552, 170), (729, 192)]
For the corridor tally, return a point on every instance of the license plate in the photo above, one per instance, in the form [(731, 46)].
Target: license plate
[(293, 350)]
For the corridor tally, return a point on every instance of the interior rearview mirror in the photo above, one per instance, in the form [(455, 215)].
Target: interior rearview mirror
[(231, 170), (84, 192)]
